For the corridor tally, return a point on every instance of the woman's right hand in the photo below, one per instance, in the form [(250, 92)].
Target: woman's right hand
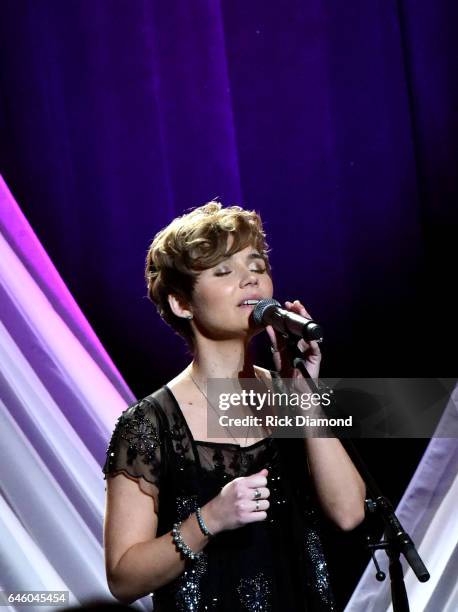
[(235, 505)]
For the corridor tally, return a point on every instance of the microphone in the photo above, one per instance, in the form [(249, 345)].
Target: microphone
[(270, 312)]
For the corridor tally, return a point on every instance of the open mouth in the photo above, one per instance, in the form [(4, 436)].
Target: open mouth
[(248, 303)]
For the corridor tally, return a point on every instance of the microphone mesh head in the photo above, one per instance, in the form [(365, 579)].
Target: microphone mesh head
[(260, 309)]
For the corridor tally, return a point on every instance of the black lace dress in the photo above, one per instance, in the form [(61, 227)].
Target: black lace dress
[(266, 566)]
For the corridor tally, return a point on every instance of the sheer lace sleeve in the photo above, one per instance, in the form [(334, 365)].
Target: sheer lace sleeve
[(135, 448)]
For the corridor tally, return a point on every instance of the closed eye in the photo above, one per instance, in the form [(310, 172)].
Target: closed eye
[(225, 273)]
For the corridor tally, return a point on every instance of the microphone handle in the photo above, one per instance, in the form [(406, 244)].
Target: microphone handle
[(290, 323)]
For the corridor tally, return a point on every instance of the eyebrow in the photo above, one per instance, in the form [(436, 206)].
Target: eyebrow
[(255, 256)]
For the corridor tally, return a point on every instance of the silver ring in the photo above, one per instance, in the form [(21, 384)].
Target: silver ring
[(257, 494), (257, 506)]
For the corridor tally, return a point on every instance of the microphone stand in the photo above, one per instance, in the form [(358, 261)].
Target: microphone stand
[(397, 541)]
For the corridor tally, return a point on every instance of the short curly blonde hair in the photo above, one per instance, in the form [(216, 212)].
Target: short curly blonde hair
[(194, 242)]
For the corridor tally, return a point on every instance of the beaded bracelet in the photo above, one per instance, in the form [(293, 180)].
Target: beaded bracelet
[(181, 546), (203, 527)]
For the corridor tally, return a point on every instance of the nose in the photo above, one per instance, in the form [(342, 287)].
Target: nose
[(249, 278)]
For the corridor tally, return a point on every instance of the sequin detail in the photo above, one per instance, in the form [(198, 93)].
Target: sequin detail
[(141, 435), (254, 593), (140, 439), (152, 440), (186, 505), (189, 592), (317, 568)]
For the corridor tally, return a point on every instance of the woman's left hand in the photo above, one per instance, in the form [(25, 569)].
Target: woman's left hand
[(311, 353)]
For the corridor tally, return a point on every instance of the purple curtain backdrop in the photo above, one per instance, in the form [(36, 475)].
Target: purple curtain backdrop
[(337, 121)]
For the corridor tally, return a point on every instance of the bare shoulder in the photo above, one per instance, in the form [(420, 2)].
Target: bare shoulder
[(183, 389), (192, 403)]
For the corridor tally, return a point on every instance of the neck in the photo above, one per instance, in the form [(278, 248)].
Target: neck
[(222, 359)]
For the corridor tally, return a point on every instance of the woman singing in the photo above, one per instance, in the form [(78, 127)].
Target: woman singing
[(205, 523)]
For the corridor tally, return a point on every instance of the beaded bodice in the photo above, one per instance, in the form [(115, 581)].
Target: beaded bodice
[(254, 568)]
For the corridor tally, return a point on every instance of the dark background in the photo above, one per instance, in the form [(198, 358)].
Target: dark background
[(337, 121)]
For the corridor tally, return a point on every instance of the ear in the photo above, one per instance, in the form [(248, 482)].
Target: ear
[(178, 308)]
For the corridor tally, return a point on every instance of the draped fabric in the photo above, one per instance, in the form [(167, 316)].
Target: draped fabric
[(59, 398), (337, 121), (60, 395), (427, 512)]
